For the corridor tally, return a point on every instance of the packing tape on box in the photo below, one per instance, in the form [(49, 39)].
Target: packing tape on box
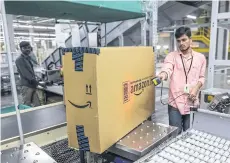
[(81, 50), (65, 50), (78, 55), (78, 65), (83, 141)]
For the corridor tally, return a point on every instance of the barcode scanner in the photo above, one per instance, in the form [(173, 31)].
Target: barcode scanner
[(156, 81)]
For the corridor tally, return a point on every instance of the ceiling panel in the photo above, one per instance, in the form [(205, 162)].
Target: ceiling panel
[(167, 5), (193, 3), (162, 21), (179, 10), (175, 11)]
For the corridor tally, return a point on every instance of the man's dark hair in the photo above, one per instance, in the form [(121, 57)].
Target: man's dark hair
[(24, 44), (183, 31)]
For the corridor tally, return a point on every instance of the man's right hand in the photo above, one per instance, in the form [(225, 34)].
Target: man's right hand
[(163, 76)]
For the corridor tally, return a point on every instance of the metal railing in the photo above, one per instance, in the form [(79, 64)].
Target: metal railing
[(203, 32)]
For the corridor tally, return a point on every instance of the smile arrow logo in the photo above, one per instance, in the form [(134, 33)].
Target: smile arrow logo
[(88, 104), (137, 94)]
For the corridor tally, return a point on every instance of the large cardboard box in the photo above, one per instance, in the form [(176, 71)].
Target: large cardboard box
[(108, 92)]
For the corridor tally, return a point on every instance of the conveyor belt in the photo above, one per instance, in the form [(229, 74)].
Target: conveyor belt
[(212, 124), (143, 139), (33, 121), (28, 152), (193, 147)]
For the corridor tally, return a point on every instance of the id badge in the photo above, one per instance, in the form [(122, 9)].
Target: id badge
[(186, 89)]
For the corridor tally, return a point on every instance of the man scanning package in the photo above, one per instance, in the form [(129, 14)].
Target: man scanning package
[(185, 69)]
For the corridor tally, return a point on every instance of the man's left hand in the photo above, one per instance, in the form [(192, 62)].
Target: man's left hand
[(193, 94), (194, 91)]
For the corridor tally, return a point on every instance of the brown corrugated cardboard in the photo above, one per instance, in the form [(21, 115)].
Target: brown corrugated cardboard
[(107, 94)]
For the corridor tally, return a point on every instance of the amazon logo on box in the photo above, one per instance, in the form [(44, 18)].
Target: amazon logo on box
[(136, 87)]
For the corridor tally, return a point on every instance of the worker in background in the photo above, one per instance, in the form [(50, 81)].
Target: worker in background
[(27, 75), (185, 69)]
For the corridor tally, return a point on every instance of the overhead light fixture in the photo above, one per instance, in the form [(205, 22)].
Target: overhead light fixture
[(191, 16), (30, 26), (17, 25), (64, 21), (33, 34), (36, 38), (23, 34), (28, 39), (45, 20), (21, 21)]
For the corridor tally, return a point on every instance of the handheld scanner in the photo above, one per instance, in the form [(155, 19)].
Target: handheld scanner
[(156, 81)]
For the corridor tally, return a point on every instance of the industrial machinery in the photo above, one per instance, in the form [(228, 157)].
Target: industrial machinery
[(5, 83), (216, 100), (52, 76), (221, 103)]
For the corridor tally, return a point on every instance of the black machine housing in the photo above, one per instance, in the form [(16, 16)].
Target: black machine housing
[(220, 103)]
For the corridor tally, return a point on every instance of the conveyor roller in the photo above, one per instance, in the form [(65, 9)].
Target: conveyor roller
[(194, 147)]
